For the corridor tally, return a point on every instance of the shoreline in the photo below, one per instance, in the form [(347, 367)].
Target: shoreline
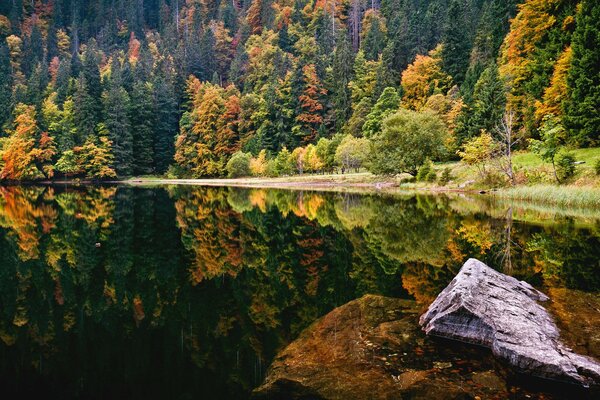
[(587, 197)]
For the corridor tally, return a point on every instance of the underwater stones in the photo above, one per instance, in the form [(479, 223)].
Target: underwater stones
[(485, 307)]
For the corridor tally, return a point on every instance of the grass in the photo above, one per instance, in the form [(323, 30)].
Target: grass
[(562, 196), (583, 191), (589, 156)]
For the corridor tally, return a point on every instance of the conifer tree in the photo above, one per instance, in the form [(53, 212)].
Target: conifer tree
[(489, 101), (118, 127), (455, 42), (165, 124), (5, 86), (582, 116), (341, 77), (84, 111), (142, 116)]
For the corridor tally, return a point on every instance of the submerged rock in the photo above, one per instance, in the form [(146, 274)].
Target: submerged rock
[(373, 348), (485, 307)]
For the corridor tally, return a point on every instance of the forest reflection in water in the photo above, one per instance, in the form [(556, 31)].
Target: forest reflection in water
[(186, 291)]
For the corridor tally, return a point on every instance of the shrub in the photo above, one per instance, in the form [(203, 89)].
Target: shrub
[(239, 165), (406, 140), (431, 176), (565, 166), (424, 171), (446, 176)]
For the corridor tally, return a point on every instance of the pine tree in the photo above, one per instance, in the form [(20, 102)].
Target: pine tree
[(388, 102), (5, 86), (455, 43), (374, 39), (582, 116), (117, 125), (84, 111), (166, 124), (142, 114), (341, 77), (489, 101)]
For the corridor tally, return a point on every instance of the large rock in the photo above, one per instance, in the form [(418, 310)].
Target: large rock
[(373, 348), (488, 308)]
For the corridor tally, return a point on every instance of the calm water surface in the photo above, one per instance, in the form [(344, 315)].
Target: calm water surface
[(189, 292)]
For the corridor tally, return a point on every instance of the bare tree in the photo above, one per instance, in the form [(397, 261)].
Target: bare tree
[(506, 140)]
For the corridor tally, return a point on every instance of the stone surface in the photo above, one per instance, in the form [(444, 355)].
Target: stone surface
[(485, 307), (373, 348)]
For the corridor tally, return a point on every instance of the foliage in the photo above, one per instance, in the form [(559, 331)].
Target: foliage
[(352, 152), (445, 177), (478, 152), (565, 165), (388, 102), (188, 84), (551, 142), (583, 81), (407, 139), (238, 165), (423, 78)]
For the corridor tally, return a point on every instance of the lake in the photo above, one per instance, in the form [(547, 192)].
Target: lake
[(191, 292)]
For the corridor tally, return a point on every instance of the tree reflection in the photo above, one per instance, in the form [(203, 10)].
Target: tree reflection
[(220, 279)]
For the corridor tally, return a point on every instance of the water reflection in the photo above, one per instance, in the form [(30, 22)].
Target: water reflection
[(109, 291)]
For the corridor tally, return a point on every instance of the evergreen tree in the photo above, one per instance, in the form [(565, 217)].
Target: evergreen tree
[(373, 42), (165, 128), (485, 112), (91, 73), (85, 111), (388, 102), (456, 45), (142, 114), (341, 77), (581, 108), (118, 127), (5, 86)]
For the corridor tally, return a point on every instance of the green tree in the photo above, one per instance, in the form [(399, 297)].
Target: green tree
[(166, 124), (341, 72), (142, 117), (352, 153), (407, 139), (487, 108), (84, 111), (388, 102), (582, 118), (116, 102), (456, 45), (5, 85), (553, 137), (238, 165)]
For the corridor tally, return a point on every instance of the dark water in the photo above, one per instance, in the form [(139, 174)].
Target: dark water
[(187, 292)]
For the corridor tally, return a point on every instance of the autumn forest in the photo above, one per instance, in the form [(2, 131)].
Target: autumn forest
[(194, 88)]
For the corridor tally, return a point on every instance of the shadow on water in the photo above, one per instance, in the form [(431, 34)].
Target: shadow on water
[(183, 292)]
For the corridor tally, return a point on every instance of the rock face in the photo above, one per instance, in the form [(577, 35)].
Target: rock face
[(485, 307)]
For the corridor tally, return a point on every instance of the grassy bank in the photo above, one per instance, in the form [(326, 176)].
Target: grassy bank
[(562, 196), (582, 191)]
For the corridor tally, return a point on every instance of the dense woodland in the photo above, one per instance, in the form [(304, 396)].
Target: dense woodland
[(112, 88)]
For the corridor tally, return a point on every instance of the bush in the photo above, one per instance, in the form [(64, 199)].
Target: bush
[(407, 139), (431, 176), (426, 172), (597, 167), (565, 166), (239, 165), (446, 176)]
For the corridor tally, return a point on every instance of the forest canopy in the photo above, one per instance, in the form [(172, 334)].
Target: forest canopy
[(101, 89)]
